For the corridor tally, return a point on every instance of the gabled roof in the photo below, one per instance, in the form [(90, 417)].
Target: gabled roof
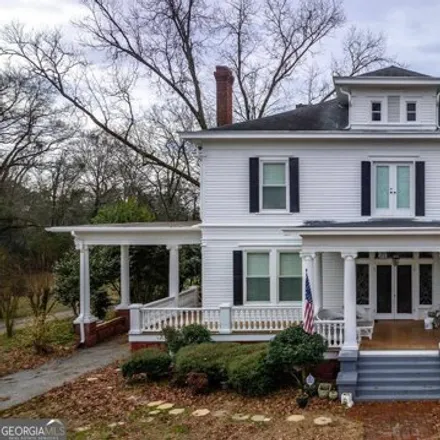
[(393, 71), (329, 115)]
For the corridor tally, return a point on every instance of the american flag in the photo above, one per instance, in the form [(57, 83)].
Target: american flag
[(308, 309)]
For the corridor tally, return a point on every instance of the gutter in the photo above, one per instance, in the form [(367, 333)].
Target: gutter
[(437, 122), (348, 94)]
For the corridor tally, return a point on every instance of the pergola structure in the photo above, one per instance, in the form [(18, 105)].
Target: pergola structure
[(169, 234)]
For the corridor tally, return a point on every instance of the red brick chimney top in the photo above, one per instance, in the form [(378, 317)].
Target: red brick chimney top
[(224, 79)]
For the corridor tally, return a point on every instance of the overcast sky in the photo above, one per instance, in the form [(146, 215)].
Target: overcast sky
[(411, 26)]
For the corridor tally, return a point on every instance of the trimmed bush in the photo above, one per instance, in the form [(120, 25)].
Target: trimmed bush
[(249, 374), (152, 362), (295, 352), (189, 335), (195, 334), (211, 359)]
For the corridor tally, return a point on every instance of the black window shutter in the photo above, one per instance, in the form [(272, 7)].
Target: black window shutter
[(366, 189), (254, 184), (420, 189), (294, 184), (238, 277)]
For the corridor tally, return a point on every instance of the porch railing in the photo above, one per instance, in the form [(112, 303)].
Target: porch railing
[(259, 319), (227, 319), (186, 298), (331, 331)]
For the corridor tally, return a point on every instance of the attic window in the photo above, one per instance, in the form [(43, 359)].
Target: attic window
[(411, 111), (376, 111)]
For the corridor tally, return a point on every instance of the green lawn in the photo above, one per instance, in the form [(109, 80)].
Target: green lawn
[(24, 308)]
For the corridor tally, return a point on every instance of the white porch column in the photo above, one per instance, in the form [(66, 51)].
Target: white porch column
[(125, 278), (173, 277), (350, 338), (317, 283), (85, 314), (307, 265)]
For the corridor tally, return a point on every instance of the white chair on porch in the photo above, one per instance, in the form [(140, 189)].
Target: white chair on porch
[(364, 325)]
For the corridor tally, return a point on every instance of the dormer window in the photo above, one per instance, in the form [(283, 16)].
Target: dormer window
[(376, 111), (411, 111)]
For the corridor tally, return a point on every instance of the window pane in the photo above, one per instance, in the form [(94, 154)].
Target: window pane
[(425, 284), (290, 265), (290, 289), (382, 187), (376, 106), (258, 264), (403, 187), (274, 174), (258, 289), (274, 197), (411, 106), (362, 284)]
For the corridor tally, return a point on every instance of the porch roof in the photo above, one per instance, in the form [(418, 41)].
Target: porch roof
[(154, 233), (405, 235)]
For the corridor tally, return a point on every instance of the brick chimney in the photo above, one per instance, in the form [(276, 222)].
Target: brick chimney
[(224, 79)]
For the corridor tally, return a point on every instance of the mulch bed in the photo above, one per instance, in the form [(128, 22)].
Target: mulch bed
[(103, 397)]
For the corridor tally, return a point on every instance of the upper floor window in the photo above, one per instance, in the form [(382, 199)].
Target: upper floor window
[(393, 192), (376, 111), (274, 185), (411, 111)]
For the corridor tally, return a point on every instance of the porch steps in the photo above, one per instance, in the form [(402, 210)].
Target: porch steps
[(398, 377)]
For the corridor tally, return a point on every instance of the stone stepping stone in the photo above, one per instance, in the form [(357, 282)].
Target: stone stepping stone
[(154, 413), (82, 429), (147, 420), (295, 418), (156, 403), (240, 417), (259, 418), (92, 379), (322, 421), (220, 413), (165, 406), (200, 412), (176, 411)]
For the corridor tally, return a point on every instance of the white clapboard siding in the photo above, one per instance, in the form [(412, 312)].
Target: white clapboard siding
[(360, 110), (330, 178)]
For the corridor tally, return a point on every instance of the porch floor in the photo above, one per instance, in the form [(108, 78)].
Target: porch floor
[(402, 335)]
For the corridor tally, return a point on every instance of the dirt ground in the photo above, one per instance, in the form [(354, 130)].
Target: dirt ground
[(100, 405)]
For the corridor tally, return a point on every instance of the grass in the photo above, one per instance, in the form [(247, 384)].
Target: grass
[(24, 308), (17, 353)]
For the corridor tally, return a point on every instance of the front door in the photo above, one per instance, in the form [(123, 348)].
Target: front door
[(394, 291)]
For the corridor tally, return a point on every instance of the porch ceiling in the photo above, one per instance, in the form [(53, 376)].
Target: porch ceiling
[(154, 233)]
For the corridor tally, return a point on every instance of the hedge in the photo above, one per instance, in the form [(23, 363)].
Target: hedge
[(150, 361), (248, 374), (211, 359)]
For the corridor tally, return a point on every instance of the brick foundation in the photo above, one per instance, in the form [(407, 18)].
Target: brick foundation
[(98, 332), (90, 333), (124, 313), (135, 346)]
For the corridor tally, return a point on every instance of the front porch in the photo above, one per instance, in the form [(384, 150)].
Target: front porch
[(402, 335)]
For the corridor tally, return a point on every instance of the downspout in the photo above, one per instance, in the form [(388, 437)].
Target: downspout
[(345, 92), (82, 335), (437, 122)]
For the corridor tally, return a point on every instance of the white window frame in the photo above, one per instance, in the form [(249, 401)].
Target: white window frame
[(287, 184), (279, 252), (274, 270), (392, 210), (245, 277), (411, 101), (383, 112)]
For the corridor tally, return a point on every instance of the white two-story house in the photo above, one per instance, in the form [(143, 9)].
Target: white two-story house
[(347, 192)]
